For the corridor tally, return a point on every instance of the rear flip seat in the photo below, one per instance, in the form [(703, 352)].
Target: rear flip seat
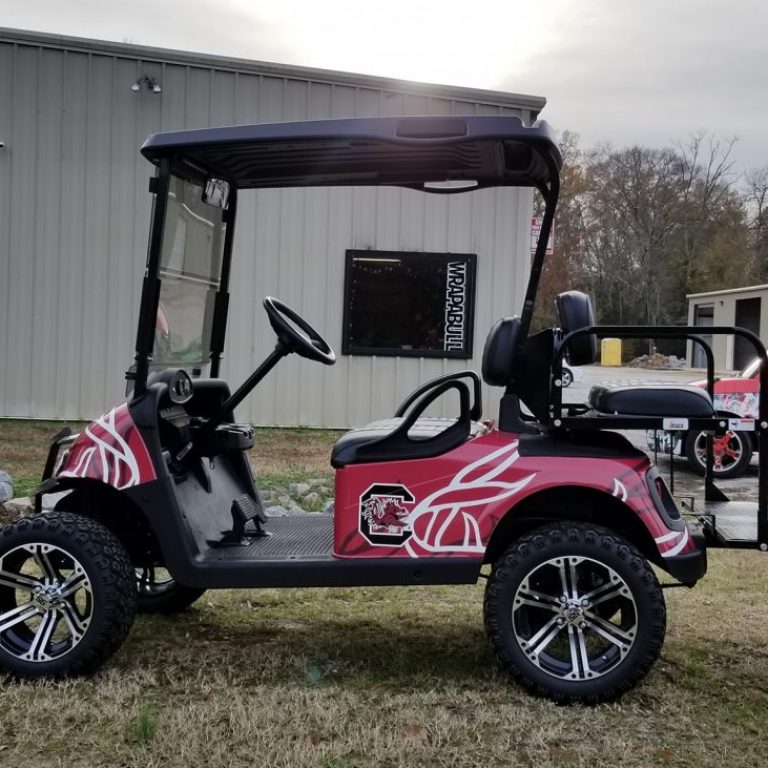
[(651, 400)]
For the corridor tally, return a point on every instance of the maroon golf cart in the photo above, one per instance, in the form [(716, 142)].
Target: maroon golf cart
[(543, 498)]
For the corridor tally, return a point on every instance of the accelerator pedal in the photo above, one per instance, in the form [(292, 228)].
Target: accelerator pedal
[(247, 510)]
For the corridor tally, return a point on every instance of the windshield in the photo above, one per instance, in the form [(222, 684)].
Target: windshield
[(190, 271)]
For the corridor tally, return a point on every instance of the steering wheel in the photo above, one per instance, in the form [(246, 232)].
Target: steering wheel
[(297, 334)]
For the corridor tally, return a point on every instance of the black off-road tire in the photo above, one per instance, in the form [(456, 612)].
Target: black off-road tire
[(111, 582), (742, 444), (171, 598), (598, 545)]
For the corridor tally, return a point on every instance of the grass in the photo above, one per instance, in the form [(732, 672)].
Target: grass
[(279, 457), (388, 677)]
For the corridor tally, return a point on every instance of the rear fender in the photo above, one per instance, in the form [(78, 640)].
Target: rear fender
[(648, 520)]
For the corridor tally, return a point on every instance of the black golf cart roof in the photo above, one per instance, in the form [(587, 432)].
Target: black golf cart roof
[(398, 151)]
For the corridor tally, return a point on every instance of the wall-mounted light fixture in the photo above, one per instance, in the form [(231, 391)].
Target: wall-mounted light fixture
[(147, 82)]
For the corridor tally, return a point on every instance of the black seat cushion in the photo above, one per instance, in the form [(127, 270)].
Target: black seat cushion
[(347, 447), (651, 400)]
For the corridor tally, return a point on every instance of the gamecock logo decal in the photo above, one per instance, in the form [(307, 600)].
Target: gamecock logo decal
[(384, 512)]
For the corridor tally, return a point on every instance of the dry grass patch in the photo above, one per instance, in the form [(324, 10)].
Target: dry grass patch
[(387, 677), (394, 677)]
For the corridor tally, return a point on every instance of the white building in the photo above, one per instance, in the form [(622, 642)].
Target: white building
[(743, 307), (74, 217)]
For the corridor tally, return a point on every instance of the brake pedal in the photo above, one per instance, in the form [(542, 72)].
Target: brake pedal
[(247, 510)]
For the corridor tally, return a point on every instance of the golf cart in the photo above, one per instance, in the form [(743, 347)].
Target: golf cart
[(561, 514), (735, 398)]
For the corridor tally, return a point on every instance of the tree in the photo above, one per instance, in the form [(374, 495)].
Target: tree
[(757, 207), (639, 228)]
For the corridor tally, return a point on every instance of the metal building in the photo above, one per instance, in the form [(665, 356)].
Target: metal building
[(743, 307), (74, 216)]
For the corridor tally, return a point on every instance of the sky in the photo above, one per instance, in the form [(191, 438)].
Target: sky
[(622, 72)]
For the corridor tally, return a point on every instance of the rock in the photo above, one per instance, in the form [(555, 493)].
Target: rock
[(298, 489), (20, 506), (328, 508), (312, 499), (6, 487), (296, 510), (657, 360), (317, 482), (285, 500), (276, 511)]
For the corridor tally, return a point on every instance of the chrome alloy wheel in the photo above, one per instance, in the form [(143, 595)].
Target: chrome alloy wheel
[(153, 581), (574, 617), (46, 602)]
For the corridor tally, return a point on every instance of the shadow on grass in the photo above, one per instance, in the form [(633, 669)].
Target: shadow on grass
[(402, 652)]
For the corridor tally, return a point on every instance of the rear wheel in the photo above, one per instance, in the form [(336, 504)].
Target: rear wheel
[(566, 378), (159, 592), (575, 613), (731, 453), (67, 595)]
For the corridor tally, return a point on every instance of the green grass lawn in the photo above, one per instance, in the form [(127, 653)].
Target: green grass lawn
[(388, 677)]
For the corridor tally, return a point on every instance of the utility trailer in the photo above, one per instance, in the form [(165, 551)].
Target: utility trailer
[(544, 499)]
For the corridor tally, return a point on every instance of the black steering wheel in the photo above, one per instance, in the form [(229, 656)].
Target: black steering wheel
[(297, 334)]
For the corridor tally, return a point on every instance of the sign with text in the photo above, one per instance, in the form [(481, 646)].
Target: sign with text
[(536, 222)]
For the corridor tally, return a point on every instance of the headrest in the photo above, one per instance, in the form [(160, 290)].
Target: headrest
[(574, 311), (499, 351)]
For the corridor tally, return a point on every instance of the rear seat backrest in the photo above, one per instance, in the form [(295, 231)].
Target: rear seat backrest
[(574, 311)]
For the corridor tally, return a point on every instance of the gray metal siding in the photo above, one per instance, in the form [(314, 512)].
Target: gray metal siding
[(74, 216)]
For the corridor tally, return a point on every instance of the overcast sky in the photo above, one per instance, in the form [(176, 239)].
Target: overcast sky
[(618, 71)]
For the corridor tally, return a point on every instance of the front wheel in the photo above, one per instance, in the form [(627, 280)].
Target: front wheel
[(67, 595), (731, 453), (575, 613)]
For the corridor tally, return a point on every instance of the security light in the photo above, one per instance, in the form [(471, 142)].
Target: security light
[(149, 83)]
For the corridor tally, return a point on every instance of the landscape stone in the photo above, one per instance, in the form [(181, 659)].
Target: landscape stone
[(20, 507), (298, 489), (312, 499), (276, 511), (6, 487)]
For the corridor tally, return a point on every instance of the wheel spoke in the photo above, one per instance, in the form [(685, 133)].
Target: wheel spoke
[(609, 591), (520, 601), (572, 572), (147, 580), (18, 615), (543, 637), (563, 577), (44, 563), (607, 630), (538, 599), (73, 583), (75, 623), (579, 658), (42, 637), (18, 581)]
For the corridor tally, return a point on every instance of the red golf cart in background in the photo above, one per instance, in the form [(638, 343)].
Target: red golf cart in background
[(735, 398)]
